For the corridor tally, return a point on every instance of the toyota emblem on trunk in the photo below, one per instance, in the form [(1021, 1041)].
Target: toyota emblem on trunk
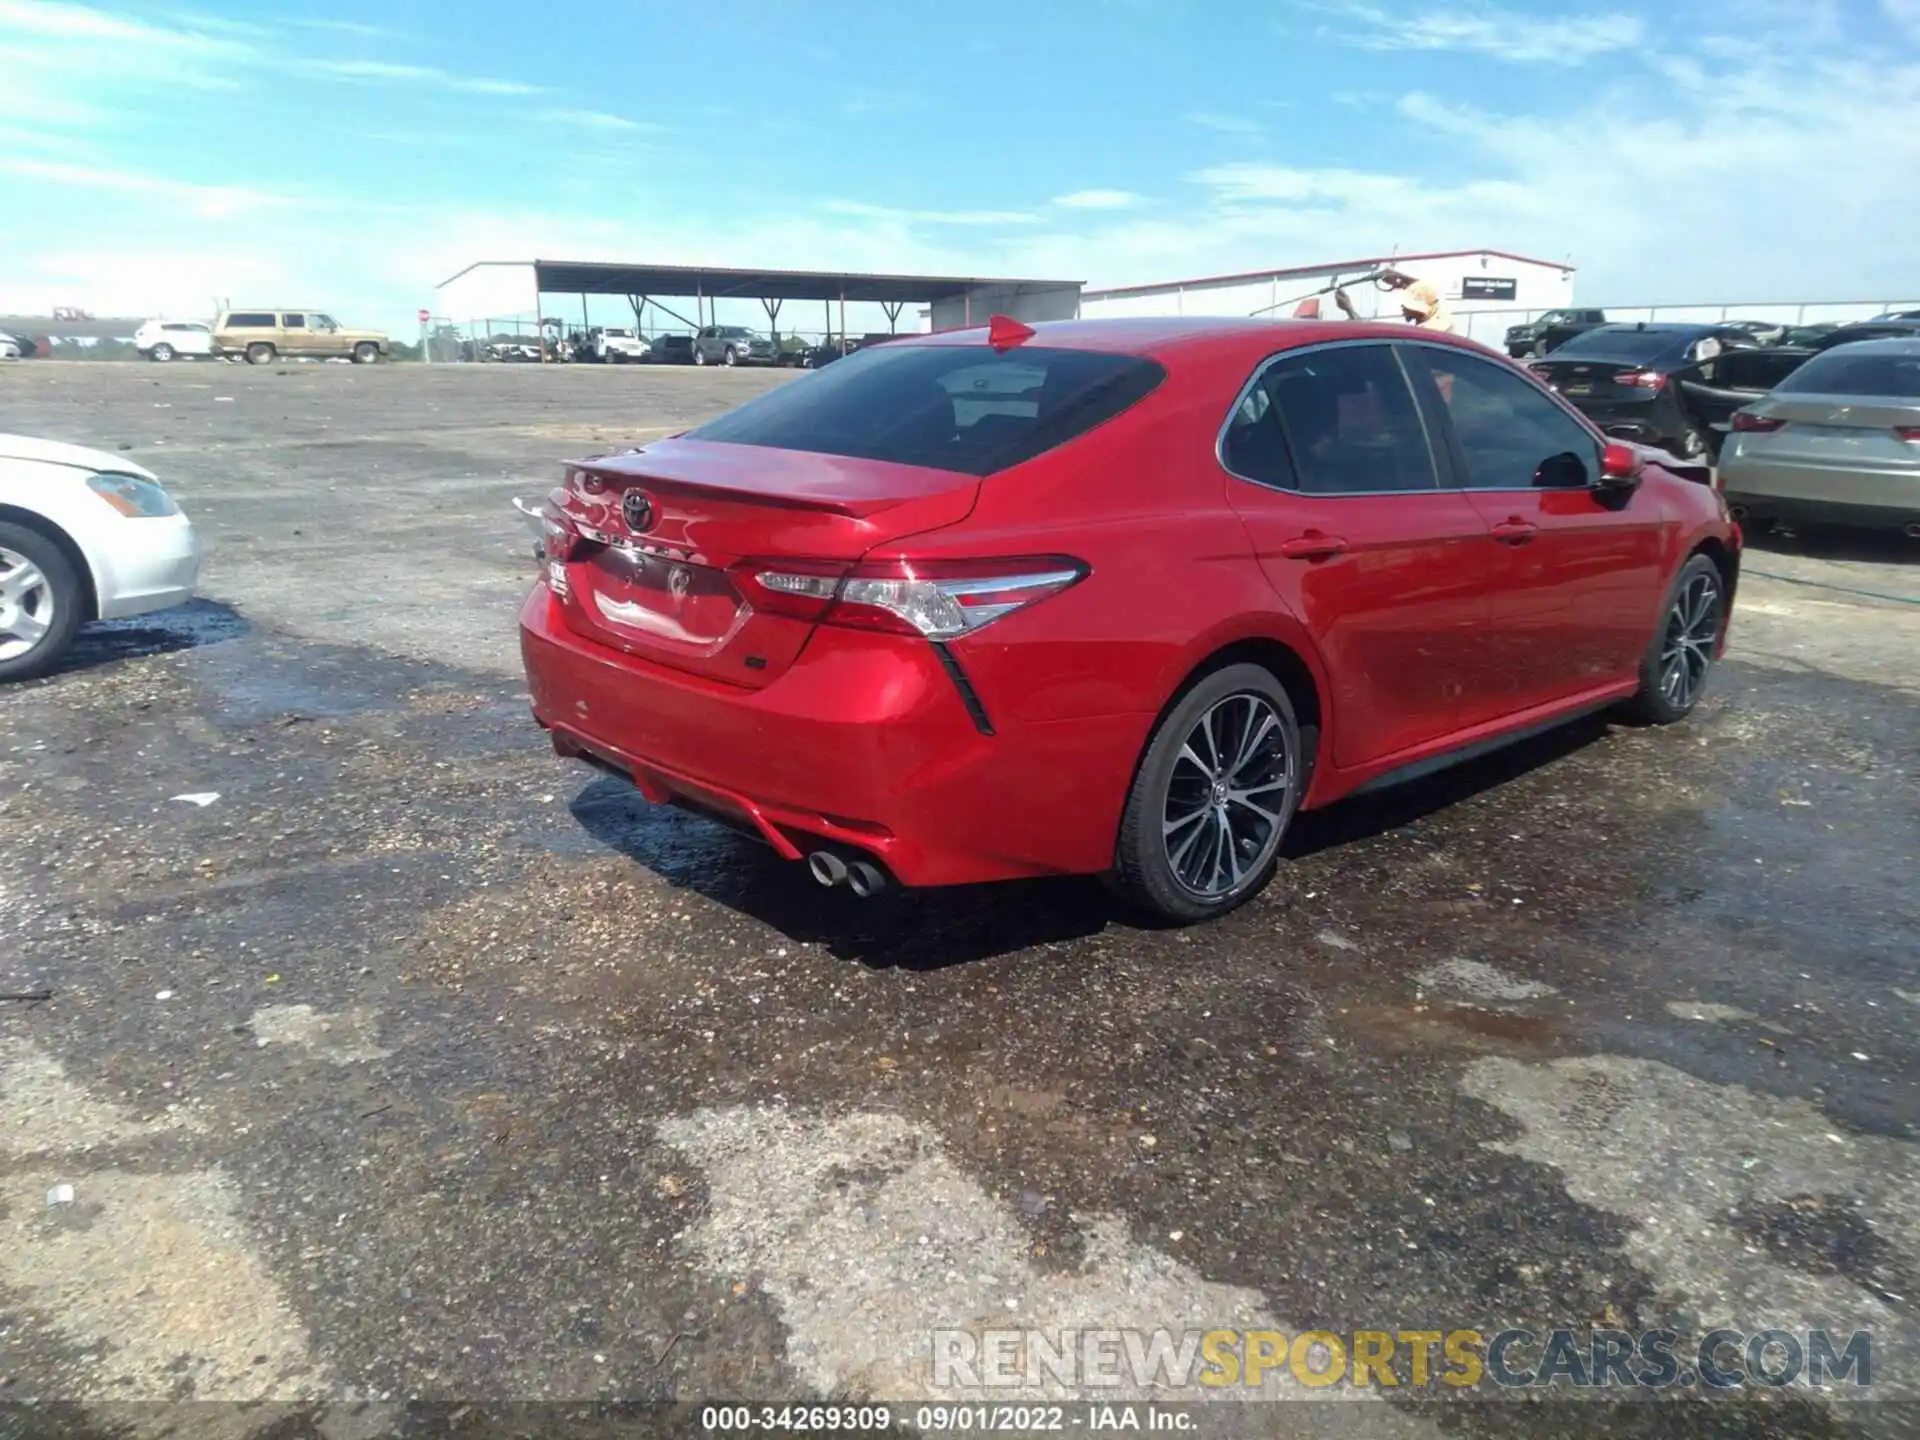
[(637, 510)]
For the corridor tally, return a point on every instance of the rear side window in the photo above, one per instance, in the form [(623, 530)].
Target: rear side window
[(1350, 423), (251, 320), (1850, 370), (294, 322), (1254, 447), (948, 407)]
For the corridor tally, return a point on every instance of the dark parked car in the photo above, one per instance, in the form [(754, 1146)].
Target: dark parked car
[(1764, 332), (1110, 597), (670, 350), (832, 348), (1804, 335), (1741, 377), (1868, 330), (1551, 331), (1631, 380)]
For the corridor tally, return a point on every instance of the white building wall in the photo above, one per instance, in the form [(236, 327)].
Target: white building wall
[(1535, 287), (498, 291), (1060, 302)]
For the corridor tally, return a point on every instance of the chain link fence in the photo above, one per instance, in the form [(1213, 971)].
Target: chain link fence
[(1490, 327)]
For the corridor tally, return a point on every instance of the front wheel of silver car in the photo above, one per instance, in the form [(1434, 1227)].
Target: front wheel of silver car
[(1214, 794), (41, 603), (699, 356)]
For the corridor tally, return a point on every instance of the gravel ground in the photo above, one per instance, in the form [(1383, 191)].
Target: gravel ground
[(419, 1064)]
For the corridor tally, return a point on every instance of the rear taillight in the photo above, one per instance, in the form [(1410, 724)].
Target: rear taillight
[(1641, 379), (939, 599), (1748, 423), (1909, 433), (558, 534)]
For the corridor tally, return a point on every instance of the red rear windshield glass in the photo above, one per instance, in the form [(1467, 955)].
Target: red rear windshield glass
[(948, 407)]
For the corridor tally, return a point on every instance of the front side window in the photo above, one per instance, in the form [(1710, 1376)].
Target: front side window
[(325, 322), (1511, 436), (1349, 421)]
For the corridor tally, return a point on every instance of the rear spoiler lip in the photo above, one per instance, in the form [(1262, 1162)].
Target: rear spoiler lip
[(671, 472)]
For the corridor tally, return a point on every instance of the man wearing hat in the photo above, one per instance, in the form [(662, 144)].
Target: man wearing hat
[(1420, 302)]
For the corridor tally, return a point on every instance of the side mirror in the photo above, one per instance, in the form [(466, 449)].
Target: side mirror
[(1620, 467), (1565, 471)]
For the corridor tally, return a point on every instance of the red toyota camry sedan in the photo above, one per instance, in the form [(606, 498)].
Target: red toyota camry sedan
[(1114, 597)]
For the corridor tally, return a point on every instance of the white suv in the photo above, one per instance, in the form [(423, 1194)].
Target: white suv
[(171, 339)]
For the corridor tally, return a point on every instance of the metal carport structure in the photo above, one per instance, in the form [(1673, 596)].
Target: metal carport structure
[(954, 299), (772, 288)]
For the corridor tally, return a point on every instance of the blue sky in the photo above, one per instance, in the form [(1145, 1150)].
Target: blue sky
[(155, 156)]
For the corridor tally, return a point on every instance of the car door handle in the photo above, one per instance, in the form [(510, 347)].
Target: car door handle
[(1515, 532), (1312, 546)]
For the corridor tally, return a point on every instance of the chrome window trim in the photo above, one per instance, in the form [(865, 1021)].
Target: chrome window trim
[(1421, 343)]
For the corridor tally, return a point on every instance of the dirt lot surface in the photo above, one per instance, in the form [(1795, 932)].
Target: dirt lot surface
[(390, 1057)]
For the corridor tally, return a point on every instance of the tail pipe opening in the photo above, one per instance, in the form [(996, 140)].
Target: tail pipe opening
[(860, 875)]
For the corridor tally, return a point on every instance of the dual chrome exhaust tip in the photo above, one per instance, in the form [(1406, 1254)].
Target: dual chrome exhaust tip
[(861, 876)]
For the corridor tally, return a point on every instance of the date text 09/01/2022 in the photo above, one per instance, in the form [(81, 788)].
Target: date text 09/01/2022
[(940, 1419)]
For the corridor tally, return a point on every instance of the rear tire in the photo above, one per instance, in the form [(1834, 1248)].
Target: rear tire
[(1674, 671), (1216, 789), (260, 353), (161, 353), (1693, 443), (41, 606)]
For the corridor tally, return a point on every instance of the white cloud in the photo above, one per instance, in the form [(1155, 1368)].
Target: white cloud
[(1484, 29), (386, 70), (214, 202), (343, 27), (53, 57), (595, 120), (1098, 200), (860, 209), (50, 19), (1225, 124)]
